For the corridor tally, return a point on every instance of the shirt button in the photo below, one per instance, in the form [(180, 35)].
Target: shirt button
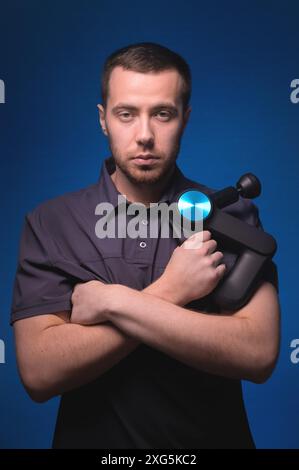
[(144, 222), (142, 244)]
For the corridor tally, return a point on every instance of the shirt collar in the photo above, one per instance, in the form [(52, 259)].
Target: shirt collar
[(110, 193)]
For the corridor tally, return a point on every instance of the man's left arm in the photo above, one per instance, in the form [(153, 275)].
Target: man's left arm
[(241, 345)]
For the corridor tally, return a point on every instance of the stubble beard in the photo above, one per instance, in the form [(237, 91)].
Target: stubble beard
[(145, 175)]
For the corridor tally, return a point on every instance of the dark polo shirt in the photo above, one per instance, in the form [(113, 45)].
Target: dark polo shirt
[(148, 399)]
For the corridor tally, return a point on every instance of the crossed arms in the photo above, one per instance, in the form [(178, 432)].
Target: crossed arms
[(58, 352)]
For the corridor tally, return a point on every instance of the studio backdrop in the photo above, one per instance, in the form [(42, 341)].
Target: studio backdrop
[(244, 58)]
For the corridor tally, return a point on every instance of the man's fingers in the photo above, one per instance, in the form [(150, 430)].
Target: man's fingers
[(220, 270), (203, 236), (208, 247), (197, 239), (216, 257), (206, 235)]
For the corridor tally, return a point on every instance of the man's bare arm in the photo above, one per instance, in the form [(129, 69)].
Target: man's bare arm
[(242, 345), (55, 356)]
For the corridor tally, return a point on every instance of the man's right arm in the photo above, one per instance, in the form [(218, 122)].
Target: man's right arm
[(55, 356)]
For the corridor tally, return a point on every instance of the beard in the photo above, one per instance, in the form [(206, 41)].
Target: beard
[(148, 175)]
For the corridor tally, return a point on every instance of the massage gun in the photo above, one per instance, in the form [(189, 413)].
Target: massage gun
[(254, 247)]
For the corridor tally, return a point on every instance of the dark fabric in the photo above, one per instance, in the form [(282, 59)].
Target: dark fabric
[(148, 400)]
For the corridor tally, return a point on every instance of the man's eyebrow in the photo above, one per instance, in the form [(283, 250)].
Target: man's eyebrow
[(135, 108)]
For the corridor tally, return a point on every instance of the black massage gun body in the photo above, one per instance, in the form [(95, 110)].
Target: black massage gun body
[(254, 247)]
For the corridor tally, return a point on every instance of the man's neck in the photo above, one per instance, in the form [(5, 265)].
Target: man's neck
[(142, 193)]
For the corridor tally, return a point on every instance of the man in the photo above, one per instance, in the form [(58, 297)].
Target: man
[(108, 323)]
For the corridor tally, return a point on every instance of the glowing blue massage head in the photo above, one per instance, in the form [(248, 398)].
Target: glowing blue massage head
[(194, 205)]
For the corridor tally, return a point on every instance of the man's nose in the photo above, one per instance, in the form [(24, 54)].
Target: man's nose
[(145, 135)]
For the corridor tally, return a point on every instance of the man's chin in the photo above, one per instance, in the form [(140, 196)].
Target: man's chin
[(147, 176)]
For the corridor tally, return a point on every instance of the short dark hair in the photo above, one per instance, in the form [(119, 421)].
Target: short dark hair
[(147, 57)]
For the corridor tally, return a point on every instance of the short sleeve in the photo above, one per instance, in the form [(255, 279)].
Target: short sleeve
[(39, 287)]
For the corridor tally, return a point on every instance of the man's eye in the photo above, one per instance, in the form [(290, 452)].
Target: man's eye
[(125, 115), (164, 115)]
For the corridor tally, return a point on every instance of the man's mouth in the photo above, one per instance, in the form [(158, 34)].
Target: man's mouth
[(146, 159)]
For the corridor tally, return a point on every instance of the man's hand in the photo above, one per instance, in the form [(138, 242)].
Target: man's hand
[(91, 301), (193, 270)]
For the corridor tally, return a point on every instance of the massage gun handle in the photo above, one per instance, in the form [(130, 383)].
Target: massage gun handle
[(238, 286)]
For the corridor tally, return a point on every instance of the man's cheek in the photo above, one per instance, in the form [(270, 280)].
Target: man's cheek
[(121, 143), (169, 136)]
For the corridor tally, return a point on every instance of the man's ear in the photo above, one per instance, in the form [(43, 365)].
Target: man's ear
[(102, 118)]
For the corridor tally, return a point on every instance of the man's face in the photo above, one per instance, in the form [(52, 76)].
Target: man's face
[(144, 117)]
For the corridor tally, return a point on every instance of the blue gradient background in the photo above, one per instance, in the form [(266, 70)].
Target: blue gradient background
[(243, 56)]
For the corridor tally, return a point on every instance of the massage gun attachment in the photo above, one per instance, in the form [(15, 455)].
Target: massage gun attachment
[(248, 186)]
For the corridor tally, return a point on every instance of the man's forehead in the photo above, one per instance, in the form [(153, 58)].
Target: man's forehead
[(126, 85)]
